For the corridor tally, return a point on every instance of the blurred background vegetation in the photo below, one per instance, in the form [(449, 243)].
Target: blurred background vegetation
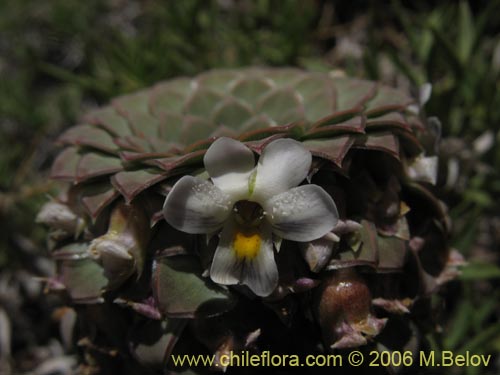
[(60, 58)]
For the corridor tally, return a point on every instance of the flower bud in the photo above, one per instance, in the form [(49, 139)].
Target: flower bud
[(121, 249), (344, 310), (59, 216)]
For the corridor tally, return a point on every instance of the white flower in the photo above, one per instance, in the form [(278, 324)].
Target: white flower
[(251, 203)]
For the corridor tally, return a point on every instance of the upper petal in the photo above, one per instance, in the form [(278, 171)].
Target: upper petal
[(302, 214), (196, 206), (230, 163), (284, 163)]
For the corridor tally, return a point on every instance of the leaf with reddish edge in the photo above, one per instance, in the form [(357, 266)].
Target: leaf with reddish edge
[(259, 145), (84, 280), (131, 183), (256, 123), (410, 144), (353, 92), (224, 131), (388, 120), (93, 165), (353, 125), (89, 135), (168, 164), (181, 292), (204, 144), (143, 125), (195, 128), (97, 197), (384, 110), (64, 167), (259, 134), (333, 150), (108, 119), (383, 141), (419, 124), (319, 105), (151, 341), (133, 143), (391, 254), (129, 156), (389, 96), (338, 117), (161, 146)]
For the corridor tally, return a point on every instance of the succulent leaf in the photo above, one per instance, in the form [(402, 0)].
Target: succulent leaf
[(181, 291)]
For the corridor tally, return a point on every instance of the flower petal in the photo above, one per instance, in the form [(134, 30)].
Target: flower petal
[(230, 163), (226, 267), (196, 206), (302, 214), (284, 164), (260, 274)]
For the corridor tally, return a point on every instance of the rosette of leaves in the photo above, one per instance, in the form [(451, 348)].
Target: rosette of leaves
[(141, 288)]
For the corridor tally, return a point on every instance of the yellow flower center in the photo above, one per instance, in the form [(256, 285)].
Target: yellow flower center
[(246, 245)]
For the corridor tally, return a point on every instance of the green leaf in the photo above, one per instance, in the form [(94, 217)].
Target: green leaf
[(110, 120), (202, 103), (353, 125), (352, 93), (96, 164), (481, 342), (218, 80), (379, 141), (90, 136), (64, 167), (251, 90), (144, 125), (466, 31), (449, 50), (231, 113), (391, 253), (181, 291), (131, 183), (480, 271), (460, 325), (334, 149), (96, 197), (196, 128), (84, 280), (278, 104)]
